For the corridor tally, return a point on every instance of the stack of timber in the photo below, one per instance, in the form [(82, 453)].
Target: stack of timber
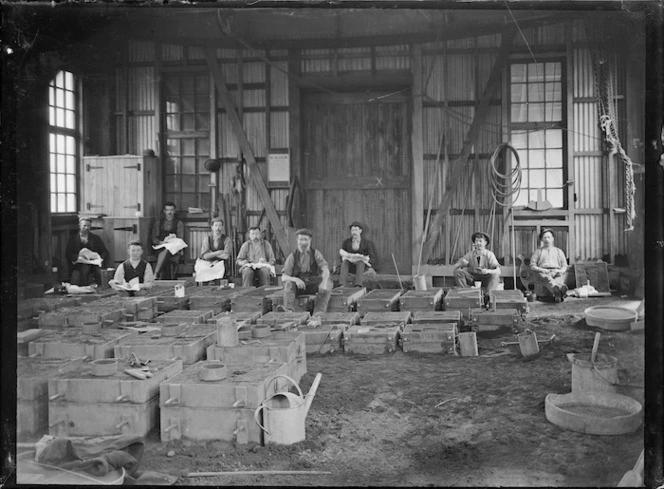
[(136, 308), (32, 376), (378, 338), (429, 338), (184, 316), (379, 300), (77, 315), (508, 299), (322, 338), (438, 317), (222, 409), (348, 318), (277, 347), (83, 404), (344, 299), (166, 299), (422, 300), (189, 344), (28, 310), (459, 299), (75, 343), (214, 298), (400, 318)]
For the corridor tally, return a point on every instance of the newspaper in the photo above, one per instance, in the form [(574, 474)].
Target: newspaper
[(172, 243), (88, 257), (354, 257), (207, 270)]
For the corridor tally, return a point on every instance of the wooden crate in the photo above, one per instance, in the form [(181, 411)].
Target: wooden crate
[(483, 320), (32, 376), (348, 318), (190, 346), (378, 318), (218, 410), (429, 338), (509, 299), (460, 298), (326, 338), (422, 300), (344, 299), (254, 300), (121, 186), (73, 343), (379, 300), (286, 347), (189, 317), (280, 317), (371, 339), (437, 317), (77, 315)]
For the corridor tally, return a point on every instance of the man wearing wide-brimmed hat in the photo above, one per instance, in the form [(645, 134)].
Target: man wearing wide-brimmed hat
[(357, 255), (306, 272), (550, 266), (479, 265), (81, 253)]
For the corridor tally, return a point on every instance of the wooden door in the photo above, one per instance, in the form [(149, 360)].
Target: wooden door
[(356, 156)]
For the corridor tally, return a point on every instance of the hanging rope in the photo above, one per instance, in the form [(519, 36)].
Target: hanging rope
[(604, 69)]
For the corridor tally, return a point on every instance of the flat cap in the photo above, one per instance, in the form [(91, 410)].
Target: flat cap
[(305, 231), (480, 235), (84, 218), (217, 219), (356, 223)]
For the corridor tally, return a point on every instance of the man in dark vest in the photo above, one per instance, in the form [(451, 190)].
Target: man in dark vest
[(167, 225), (135, 271), (217, 247), (85, 273), (306, 272), (357, 256)]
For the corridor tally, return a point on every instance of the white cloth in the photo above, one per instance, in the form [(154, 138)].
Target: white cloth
[(88, 257), (207, 270), (132, 285), (172, 243), (77, 289), (258, 265)]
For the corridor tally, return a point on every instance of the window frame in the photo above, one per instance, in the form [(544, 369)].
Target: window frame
[(562, 125), (55, 131)]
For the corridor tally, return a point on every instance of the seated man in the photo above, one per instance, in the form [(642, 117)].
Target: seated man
[(550, 267), (479, 265), (306, 272), (213, 262), (81, 253), (165, 229), (256, 257), (134, 275), (357, 255)]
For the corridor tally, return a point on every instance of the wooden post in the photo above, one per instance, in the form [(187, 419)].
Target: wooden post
[(254, 172), (418, 156), (461, 162)]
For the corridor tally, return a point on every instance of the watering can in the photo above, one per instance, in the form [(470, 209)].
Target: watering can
[(284, 413)]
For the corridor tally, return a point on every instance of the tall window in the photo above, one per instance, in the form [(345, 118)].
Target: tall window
[(63, 141), (537, 117)]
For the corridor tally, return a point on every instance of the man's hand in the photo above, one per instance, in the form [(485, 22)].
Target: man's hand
[(299, 282)]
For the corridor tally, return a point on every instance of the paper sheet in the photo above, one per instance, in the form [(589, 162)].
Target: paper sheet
[(206, 270), (256, 266), (354, 257), (88, 257), (172, 243), (132, 285)]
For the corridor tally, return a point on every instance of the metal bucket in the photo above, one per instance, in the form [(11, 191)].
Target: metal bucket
[(419, 281), (227, 333), (600, 376), (528, 343), (468, 344)]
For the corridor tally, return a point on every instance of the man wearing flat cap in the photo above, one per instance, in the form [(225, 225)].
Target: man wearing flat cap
[(479, 265), (550, 266), (357, 255), (215, 249), (306, 272), (86, 253)]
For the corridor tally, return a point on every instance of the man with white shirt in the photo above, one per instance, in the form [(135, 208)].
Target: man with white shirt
[(550, 266), (133, 272), (479, 265), (255, 251), (357, 256), (86, 273)]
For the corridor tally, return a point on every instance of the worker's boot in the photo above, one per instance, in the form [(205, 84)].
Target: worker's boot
[(322, 300)]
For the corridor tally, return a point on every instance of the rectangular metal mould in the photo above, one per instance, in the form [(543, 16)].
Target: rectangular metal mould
[(422, 300), (72, 342), (379, 300), (371, 339), (425, 338)]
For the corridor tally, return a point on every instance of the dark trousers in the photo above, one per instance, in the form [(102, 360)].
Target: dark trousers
[(313, 286), (83, 274), (347, 267)]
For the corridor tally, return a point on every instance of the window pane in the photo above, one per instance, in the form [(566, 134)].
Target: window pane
[(536, 139), (189, 165), (554, 178), (62, 203), (60, 97), (553, 71), (169, 166), (202, 84), (554, 138), (202, 122), (536, 179), (69, 100), (70, 121), (70, 142), (61, 166), (69, 80), (51, 158), (521, 199), (60, 117), (519, 139), (53, 183), (518, 73), (554, 158), (204, 183), (61, 147), (555, 196), (51, 116), (71, 183), (71, 203), (188, 183), (173, 147), (536, 158), (187, 85), (54, 205), (71, 165), (519, 112), (202, 103), (535, 112), (188, 147), (187, 103), (554, 112), (535, 72), (188, 200), (518, 92), (536, 92), (171, 184), (203, 147), (60, 179), (205, 201), (188, 122)]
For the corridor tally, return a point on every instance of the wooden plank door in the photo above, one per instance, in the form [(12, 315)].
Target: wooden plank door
[(356, 155)]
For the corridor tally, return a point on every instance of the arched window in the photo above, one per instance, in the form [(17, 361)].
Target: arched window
[(63, 141)]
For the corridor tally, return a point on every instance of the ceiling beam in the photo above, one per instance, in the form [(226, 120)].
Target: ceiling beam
[(460, 165), (254, 172)]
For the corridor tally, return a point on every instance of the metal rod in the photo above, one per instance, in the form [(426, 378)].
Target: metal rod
[(259, 472), (397, 269)]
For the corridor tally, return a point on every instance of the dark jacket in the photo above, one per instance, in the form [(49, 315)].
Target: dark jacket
[(95, 244), (366, 248)]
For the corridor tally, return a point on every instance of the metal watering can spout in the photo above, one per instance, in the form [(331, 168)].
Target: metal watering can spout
[(288, 416)]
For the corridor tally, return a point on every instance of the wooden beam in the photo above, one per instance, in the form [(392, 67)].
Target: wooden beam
[(462, 161), (254, 172), (417, 145)]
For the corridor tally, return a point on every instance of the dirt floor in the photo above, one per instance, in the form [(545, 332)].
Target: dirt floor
[(439, 420)]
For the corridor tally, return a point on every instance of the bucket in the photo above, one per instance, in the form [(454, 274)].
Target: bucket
[(602, 376), (284, 414), (528, 343), (227, 333), (468, 344), (419, 281)]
